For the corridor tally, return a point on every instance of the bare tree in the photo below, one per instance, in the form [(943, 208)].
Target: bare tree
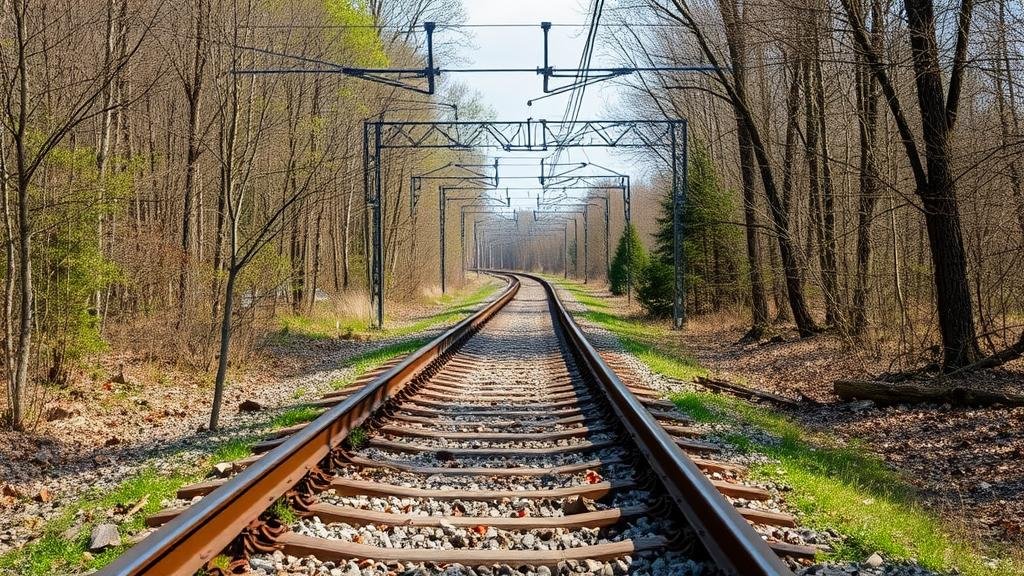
[(735, 30), (24, 119), (934, 178), (867, 131)]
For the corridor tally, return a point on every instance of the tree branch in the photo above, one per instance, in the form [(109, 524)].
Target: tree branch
[(860, 35), (959, 62)]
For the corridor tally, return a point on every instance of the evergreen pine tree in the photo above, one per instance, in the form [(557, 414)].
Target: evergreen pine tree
[(629, 261), (710, 244)]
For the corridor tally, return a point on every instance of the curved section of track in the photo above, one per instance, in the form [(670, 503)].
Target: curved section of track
[(506, 446)]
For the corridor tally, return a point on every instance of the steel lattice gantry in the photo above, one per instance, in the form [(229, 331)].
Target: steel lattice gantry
[(668, 137)]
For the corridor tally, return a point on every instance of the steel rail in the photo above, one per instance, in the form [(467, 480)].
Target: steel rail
[(728, 538), (206, 528)]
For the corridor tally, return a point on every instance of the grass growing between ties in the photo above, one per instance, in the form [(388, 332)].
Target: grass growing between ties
[(841, 487), (357, 438), (283, 512)]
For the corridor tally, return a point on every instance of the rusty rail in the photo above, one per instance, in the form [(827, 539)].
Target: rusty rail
[(187, 543), (728, 538), (202, 531)]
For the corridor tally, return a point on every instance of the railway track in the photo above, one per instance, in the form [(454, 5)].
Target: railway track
[(506, 446)]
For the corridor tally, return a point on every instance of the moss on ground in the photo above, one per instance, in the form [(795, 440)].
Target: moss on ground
[(841, 487)]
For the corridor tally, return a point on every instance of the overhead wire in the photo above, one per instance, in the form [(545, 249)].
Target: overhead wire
[(445, 26), (575, 102)]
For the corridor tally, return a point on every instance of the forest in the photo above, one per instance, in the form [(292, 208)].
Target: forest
[(854, 168), (156, 200), (857, 168), (778, 310)]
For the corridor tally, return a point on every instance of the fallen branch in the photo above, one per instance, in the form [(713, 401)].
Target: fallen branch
[(888, 393), (719, 385), (995, 360)]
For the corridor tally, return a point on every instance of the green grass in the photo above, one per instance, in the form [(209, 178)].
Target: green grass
[(643, 339), (221, 562), (357, 437), (231, 450), (692, 404), (293, 416), (834, 486), (283, 512), (367, 361), (846, 489), (56, 553), (454, 307), (666, 364), (318, 327)]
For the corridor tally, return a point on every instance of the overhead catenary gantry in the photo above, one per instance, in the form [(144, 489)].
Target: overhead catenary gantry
[(580, 209), (477, 174), (444, 199), (486, 177), (424, 80), (522, 136), (503, 237), (574, 175)]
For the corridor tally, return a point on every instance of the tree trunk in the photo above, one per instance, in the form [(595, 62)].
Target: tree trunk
[(103, 146), (941, 209), (735, 31), (24, 312), (193, 94), (229, 137), (758, 299), (225, 345), (315, 267), (1008, 120), (829, 271), (888, 393), (867, 111), (346, 236), (933, 177), (792, 129), (13, 392)]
